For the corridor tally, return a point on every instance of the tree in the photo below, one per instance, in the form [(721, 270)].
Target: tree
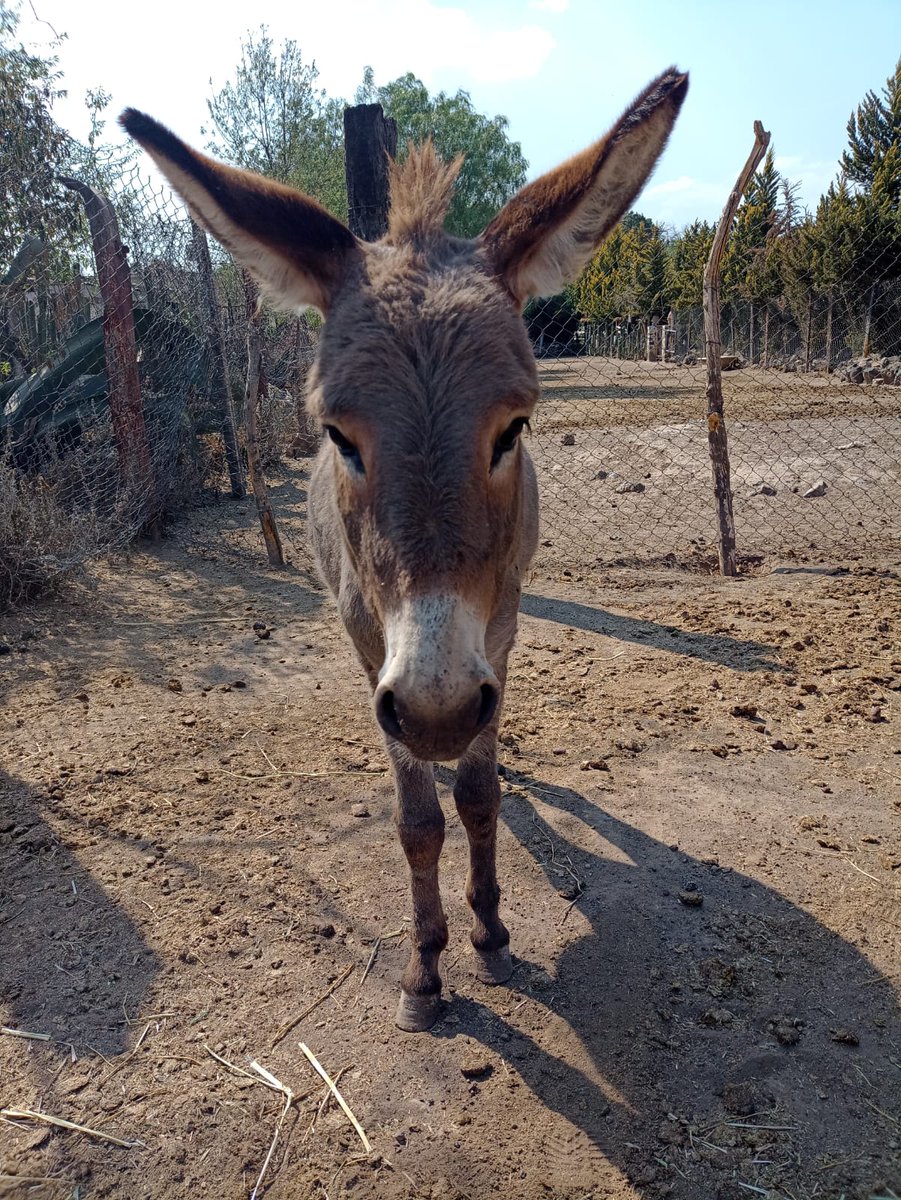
[(33, 144), (688, 254), (628, 276), (494, 168), (872, 161), (272, 118)]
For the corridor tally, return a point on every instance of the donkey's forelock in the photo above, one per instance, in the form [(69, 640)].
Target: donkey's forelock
[(421, 190)]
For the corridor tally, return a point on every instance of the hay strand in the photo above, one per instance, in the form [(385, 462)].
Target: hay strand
[(26, 1114), (318, 1067)]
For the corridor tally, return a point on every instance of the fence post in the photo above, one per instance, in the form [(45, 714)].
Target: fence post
[(252, 393), (120, 351), (716, 422), (220, 363), (370, 139)]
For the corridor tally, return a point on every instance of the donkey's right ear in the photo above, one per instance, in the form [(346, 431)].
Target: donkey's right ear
[(297, 251)]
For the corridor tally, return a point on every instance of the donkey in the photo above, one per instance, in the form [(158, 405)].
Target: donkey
[(423, 501)]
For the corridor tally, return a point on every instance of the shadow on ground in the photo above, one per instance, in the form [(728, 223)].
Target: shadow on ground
[(717, 1050), (740, 655)]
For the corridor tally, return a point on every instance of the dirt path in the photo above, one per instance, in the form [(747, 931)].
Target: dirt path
[(700, 858)]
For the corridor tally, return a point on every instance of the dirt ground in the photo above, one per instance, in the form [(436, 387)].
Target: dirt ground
[(699, 853), (630, 439)]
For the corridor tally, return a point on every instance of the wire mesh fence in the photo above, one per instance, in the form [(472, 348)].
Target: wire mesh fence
[(620, 439), (812, 400)]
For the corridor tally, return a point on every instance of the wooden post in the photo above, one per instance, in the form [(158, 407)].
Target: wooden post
[(716, 421), (216, 336), (831, 304), (121, 352), (370, 139), (766, 336), (866, 328), (808, 336), (252, 392)]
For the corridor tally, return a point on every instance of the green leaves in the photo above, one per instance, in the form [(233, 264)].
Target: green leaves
[(272, 118), (493, 168)]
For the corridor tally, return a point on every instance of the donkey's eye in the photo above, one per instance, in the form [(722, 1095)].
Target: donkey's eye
[(507, 440), (346, 448)]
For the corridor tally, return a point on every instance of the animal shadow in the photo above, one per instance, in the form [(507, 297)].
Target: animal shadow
[(706, 1037)]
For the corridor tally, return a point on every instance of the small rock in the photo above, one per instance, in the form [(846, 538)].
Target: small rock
[(786, 1030), (5, 648), (475, 1066), (568, 439), (691, 898), (844, 1037), (594, 764), (744, 710), (202, 776), (717, 1018), (782, 744), (238, 683), (359, 810), (601, 474), (818, 489), (764, 490), (189, 721), (324, 930), (629, 487), (569, 891), (174, 685)]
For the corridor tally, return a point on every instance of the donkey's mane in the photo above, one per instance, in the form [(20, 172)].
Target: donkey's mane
[(421, 189)]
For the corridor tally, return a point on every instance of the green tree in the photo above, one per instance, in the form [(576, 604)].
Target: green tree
[(272, 118), (688, 254), (34, 147), (628, 276), (494, 168), (872, 161)]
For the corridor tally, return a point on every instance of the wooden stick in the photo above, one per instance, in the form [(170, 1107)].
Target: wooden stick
[(23, 1033), (289, 1025), (26, 1114), (716, 424), (317, 1066)]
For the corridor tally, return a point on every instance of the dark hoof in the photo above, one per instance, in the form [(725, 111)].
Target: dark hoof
[(416, 1014), (493, 966)]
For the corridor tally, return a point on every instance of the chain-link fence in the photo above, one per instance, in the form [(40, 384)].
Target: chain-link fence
[(814, 428), (96, 448)]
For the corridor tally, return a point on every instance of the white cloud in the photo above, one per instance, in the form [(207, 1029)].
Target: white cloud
[(427, 38), (684, 183)]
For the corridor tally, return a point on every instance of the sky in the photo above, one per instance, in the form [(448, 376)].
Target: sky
[(560, 70)]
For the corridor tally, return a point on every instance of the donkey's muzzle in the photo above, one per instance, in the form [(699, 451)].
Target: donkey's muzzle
[(436, 735)]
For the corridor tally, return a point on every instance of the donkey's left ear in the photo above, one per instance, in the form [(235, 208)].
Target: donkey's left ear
[(543, 238), (297, 251)]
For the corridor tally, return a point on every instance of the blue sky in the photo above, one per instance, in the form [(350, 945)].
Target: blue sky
[(560, 70)]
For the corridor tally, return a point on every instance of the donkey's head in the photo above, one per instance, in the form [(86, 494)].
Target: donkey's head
[(424, 382)]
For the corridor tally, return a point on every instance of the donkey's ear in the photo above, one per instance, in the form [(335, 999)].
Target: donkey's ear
[(543, 238), (297, 251)]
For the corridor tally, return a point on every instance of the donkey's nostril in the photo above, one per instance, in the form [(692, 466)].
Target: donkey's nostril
[(488, 706), (386, 714)]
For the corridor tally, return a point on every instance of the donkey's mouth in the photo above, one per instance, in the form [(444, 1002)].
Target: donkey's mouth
[(441, 737)]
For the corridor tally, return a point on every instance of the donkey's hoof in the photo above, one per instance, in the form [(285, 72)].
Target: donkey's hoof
[(493, 966), (416, 1014)]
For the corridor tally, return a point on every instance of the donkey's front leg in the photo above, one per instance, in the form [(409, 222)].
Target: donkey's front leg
[(420, 824), (477, 793)]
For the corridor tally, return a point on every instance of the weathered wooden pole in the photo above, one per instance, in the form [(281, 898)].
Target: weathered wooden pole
[(216, 337), (370, 140), (121, 352), (252, 391), (716, 421)]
